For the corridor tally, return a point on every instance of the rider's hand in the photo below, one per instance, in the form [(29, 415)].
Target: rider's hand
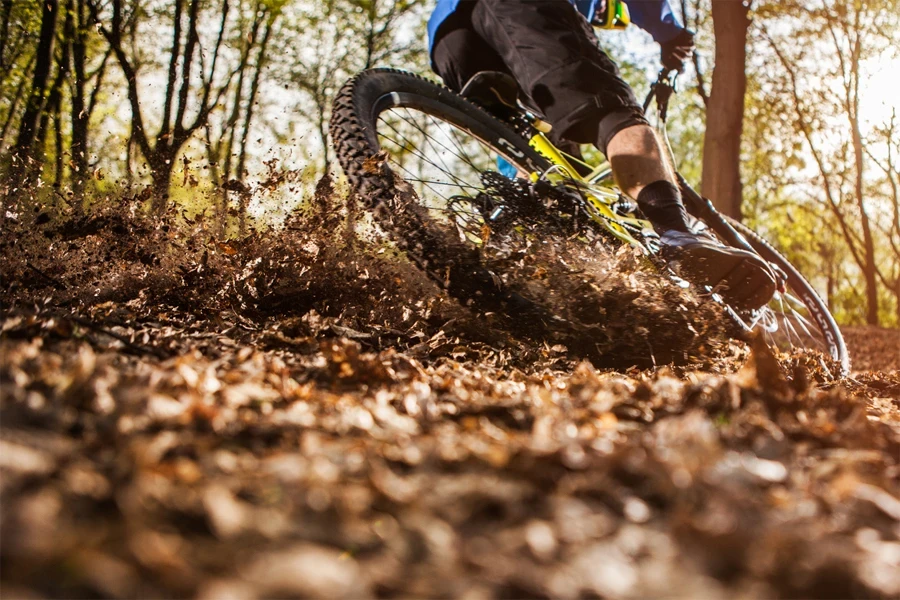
[(678, 50)]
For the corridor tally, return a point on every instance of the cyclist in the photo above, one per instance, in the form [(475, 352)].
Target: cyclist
[(549, 47)]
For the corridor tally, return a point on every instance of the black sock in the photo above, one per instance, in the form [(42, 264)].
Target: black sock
[(661, 204)]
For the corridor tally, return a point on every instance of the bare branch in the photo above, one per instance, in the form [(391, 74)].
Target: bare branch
[(173, 66), (113, 37), (190, 44), (817, 155)]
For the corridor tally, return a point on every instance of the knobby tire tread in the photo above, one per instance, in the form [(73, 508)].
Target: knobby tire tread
[(438, 251)]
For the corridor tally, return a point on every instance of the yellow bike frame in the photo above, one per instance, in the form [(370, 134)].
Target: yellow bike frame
[(597, 187)]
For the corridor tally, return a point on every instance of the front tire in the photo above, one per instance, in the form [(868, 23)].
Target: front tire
[(816, 324)]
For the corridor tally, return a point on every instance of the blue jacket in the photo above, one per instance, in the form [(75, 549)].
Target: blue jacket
[(653, 16)]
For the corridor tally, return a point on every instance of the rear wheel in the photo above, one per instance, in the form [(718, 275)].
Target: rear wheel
[(423, 160)]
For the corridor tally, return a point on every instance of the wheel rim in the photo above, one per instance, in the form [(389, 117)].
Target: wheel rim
[(786, 322)]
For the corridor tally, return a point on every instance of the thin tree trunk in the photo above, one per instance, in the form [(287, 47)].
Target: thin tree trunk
[(53, 106), (129, 160), (701, 83), (871, 267), (58, 138), (235, 115), (254, 91), (725, 111), (244, 196), (161, 168), (6, 7), (322, 126), (897, 300), (79, 116), (36, 100), (13, 106)]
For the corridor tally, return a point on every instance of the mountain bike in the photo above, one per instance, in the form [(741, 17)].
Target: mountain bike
[(449, 176)]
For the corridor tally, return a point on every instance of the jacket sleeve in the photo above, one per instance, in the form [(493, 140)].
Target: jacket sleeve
[(656, 17)]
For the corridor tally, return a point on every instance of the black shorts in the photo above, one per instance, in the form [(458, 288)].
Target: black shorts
[(552, 52)]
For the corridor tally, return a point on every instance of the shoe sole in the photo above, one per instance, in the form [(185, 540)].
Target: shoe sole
[(725, 272)]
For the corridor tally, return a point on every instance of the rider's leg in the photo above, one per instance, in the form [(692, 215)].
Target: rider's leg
[(643, 172), (553, 53), (459, 52)]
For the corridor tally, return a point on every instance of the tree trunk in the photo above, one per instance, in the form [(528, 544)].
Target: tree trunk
[(4, 31), (852, 86), (59, 170), (871, 267), (52, 107), (897, 298), (161, 166), (13, 108), (251, 101), (79, 144), (30, 119), (725, 111)]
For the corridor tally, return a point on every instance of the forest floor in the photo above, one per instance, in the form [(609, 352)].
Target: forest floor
[(305, 415)]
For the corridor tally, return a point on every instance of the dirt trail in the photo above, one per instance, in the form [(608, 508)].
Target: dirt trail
[(873, 348), (300, 415)]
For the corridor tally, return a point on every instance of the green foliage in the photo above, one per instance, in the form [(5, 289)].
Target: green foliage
[(807, 91), (21, 22)]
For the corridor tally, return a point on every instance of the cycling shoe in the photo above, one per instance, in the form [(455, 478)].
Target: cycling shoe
[(742, 278)]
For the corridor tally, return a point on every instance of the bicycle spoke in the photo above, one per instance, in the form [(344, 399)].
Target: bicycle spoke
[(430, 185), (431, 140), (446, 168), (441, 182), (471, 217), (426, 184), (802, 322), (787, 326), (463, 158), (435, 157), (453, 134)]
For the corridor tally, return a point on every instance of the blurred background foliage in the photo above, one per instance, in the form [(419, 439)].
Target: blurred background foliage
[(220, 108)]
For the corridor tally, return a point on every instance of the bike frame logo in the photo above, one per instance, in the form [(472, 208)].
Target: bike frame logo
[(510, 148)]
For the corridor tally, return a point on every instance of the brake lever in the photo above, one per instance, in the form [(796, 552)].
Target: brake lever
[(662, 89)]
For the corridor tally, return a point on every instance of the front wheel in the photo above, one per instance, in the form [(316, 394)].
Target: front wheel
[(796, 317)]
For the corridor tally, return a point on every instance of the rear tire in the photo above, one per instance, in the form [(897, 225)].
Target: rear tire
[(435, 247)]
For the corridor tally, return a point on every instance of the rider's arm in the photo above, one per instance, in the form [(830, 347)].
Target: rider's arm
[(656, 17)]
